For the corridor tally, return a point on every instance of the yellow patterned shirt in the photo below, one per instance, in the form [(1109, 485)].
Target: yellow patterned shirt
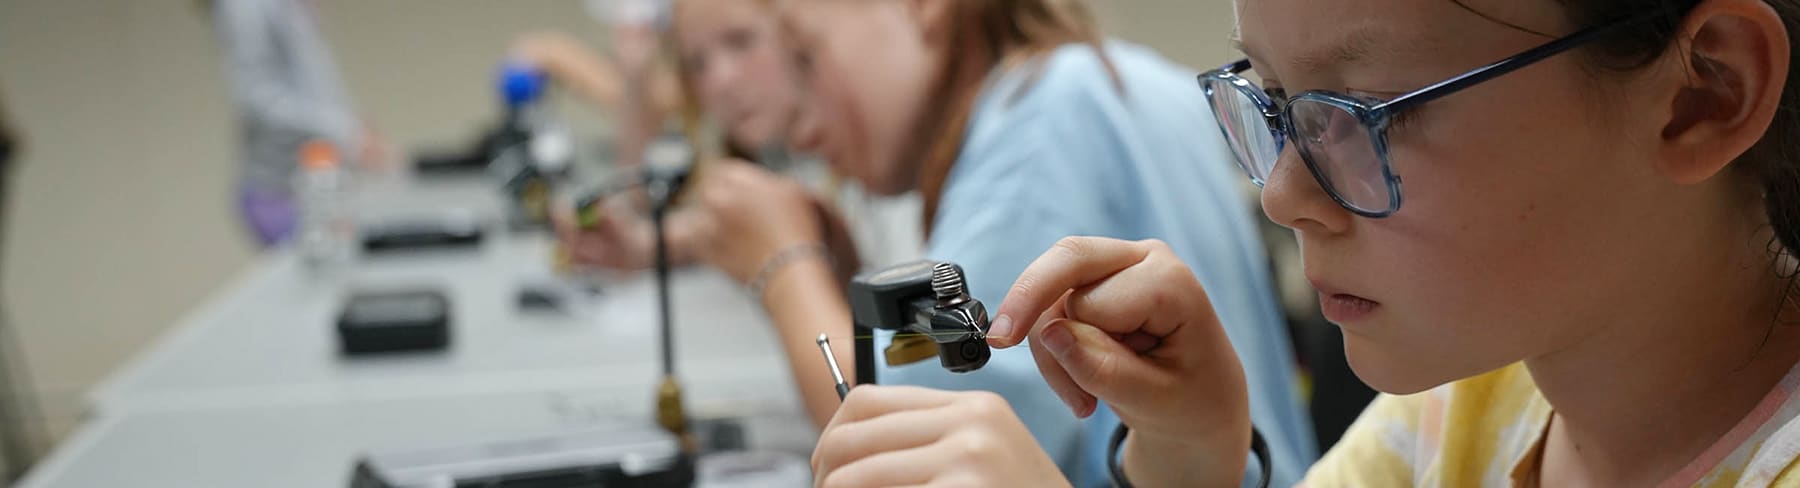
[(1487, 431)]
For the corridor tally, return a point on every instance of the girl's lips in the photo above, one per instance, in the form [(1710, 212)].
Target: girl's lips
[(1342, 308)]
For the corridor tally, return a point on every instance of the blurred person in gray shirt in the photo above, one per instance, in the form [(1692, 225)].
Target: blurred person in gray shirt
[(287, 91)]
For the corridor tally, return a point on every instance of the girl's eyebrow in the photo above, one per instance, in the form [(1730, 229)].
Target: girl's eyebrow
[(1355, 46)]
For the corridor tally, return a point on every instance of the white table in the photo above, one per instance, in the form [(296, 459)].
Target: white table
[(250, 388), (313, 446), (271, 339)]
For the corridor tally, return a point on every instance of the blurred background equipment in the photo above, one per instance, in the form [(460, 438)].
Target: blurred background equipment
[(608, 458), (395, 321), (327, 227), (521, 88), (669, 162), (448, 231), (281, 359)]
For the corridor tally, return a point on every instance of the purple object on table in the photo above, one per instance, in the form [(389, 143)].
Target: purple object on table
[(271, 215)]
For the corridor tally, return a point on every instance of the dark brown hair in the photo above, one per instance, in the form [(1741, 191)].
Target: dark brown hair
[(1774, 161), (979, 36)]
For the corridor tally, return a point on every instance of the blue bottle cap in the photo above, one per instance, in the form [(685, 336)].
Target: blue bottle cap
[(521, 83)]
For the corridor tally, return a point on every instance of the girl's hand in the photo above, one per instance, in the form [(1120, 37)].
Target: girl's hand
[(755, 214), (908, 436), (618, 239), (1128, 323)]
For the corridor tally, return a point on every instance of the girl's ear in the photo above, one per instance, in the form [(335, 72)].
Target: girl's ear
[(1734, 55)]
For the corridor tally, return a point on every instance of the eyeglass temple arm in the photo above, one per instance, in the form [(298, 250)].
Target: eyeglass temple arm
[(1504, 66), (1236, 67)]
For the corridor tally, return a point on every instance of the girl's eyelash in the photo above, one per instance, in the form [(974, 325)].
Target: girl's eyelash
[(1397, 121), (1402, 119)]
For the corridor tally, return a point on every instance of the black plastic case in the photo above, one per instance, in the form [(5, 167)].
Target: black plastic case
[(421, 234), (642, 457), (377, 322)]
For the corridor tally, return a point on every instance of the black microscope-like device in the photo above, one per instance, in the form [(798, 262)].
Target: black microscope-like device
[(927, 304)]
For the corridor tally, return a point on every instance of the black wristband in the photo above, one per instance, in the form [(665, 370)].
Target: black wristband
[(1258, 448)]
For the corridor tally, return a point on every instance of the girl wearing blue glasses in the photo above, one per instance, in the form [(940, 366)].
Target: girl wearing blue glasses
[(1559, 234)]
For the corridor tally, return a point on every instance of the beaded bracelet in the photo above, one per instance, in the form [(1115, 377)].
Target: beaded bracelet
[(781, 259), (1258, 448)]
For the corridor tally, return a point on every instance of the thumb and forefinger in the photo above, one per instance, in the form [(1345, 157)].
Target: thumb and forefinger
[(1072, 263), (1082, 362)]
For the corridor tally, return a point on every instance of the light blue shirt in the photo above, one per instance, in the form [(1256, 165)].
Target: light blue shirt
[(1068, 153)]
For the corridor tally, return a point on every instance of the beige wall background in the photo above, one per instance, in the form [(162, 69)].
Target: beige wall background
[(121, 214)]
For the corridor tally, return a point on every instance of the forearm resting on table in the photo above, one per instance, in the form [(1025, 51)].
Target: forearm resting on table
[(804, 300), (1150, 462), (574, 66), (591, 75)]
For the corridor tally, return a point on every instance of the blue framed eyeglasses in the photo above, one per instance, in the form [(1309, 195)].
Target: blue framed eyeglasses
[(1343, 138)]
